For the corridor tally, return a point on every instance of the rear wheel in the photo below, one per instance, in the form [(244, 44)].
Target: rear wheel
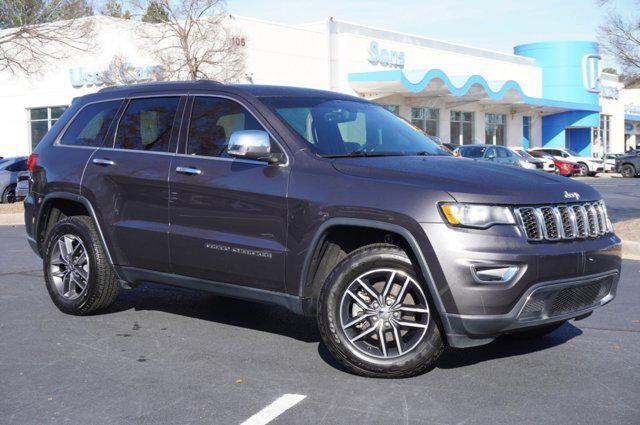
[(78, 276), (9, 195), (584, 169), (627, 171), (375, 316)]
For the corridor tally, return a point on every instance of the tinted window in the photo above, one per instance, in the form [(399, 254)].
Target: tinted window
[(146, 124), (18, 166), (213, 121), (334, 127), (472, 151), (90, 126), (504, 153)]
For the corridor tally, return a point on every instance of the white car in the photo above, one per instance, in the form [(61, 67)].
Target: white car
[(547, 163), (610, 162), (588, 166)]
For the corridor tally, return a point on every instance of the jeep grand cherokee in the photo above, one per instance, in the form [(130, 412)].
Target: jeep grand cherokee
[(323, 203)]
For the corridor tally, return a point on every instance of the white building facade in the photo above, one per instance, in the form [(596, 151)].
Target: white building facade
[(545, 94)]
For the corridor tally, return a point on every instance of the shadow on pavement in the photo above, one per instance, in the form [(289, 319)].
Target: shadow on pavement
[(229, 311), (505, 347)]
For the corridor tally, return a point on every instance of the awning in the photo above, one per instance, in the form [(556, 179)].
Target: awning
[(466, 88), (628, 117)]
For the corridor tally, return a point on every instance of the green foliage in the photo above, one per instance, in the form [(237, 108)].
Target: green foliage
[(15, 13), (155, 13), (113, 8)]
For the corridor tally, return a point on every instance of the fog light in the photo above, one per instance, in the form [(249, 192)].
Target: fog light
[(493, 274)]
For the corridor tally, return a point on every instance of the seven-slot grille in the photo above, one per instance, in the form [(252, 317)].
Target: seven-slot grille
[(564, 222)]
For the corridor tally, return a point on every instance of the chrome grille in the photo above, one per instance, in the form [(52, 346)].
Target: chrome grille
[(564, 222)]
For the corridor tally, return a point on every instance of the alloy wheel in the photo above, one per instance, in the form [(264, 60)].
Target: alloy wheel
[(627, 171), (69, 267), (584, 170), (384, 313)]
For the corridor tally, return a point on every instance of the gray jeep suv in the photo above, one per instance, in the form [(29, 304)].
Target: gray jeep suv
[(323, 203)]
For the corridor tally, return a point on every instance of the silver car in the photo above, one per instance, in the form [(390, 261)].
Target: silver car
[(9, 170)]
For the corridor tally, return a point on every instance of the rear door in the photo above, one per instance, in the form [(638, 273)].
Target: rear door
[(126, 181), (228, 215)]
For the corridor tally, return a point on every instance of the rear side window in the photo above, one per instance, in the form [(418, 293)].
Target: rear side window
[(90, 126), (213, 121), (146, 124), (18, 166)]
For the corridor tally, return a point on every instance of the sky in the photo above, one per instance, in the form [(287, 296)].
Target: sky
[(490, 24)]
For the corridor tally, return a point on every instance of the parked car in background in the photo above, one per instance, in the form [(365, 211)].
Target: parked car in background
[(9, 170), (451, 146), (629, 164), (588, 166), (548, 162), (530, 162), (492, 153), (610, 161), (564, 168), (22, 185)]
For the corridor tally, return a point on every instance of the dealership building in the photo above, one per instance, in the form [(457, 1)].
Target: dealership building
[(547, 94)]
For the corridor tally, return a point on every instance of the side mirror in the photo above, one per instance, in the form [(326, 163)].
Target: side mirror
[(252, 144)]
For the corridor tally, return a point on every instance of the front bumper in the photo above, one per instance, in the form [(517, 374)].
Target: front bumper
[(543, 303), (475, 312)]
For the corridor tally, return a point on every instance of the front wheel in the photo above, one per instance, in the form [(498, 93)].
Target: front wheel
[(375, 316), (627, 171)]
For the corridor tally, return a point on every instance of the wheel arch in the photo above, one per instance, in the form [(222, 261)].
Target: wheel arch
[(71, 200), (307, 287)]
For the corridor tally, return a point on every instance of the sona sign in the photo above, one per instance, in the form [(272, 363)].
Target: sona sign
[(125, 73), (385, 57)]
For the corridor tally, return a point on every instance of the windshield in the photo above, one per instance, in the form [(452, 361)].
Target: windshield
[(350, 128), (472, 151), (572, 153), (523, 153)]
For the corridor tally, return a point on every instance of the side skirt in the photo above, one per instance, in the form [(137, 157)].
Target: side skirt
[(137, 276)]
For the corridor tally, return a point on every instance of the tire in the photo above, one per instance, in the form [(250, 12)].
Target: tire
[(421, 342), (584, 169), (78, 286), (9, 195), (536, 332), (627, 171)]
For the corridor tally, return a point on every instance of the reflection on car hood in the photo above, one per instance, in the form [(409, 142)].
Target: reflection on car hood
[(468, 180)]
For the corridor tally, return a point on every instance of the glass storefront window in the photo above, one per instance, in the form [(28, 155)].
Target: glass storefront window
[(526, 132), (426, 119), (462, 127), (494, 129), (605, 130), (41, 120)]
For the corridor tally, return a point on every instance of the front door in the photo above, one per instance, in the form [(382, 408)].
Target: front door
[(227, 215), (127, 182)]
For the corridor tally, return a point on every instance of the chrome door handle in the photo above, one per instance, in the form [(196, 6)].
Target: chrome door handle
[(103, 162), (190, 171)]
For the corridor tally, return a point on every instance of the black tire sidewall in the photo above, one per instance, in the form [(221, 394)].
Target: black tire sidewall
[(79, 229), (584, 169), (5, 195), (336, 340), (631, 171)]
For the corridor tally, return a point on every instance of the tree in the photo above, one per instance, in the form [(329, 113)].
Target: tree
[(113, 8), (193, 39), (155, 13), (620, 37), (32, 32)]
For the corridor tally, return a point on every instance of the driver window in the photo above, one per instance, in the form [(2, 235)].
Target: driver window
[(490, 153), (213, 121)]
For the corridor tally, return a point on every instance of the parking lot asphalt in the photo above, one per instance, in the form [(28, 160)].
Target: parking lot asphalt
[(167, 355)]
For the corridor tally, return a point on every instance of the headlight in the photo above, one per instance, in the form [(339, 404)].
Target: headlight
[(473, 215)]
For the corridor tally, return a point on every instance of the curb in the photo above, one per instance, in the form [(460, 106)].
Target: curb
[(11, 219)]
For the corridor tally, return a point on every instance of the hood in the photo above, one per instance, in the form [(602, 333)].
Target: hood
[(467, 180)]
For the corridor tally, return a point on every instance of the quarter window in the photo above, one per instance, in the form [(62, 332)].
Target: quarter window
[(494, 129), (146, 124), (426, 119), (17, 166), (213, 121), (41, 120), (90, 126)]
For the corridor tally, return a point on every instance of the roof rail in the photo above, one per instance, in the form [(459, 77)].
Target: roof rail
[(155, 83)]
